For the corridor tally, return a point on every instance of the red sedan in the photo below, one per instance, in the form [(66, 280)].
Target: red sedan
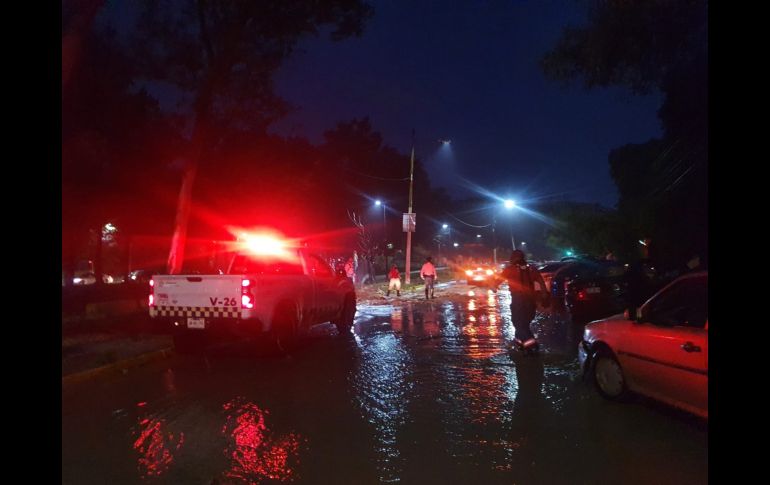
[(660, 352)]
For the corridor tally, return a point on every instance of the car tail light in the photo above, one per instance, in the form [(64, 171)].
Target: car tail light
[(151, 298), (247, 298), (490, 272), (581, 295)]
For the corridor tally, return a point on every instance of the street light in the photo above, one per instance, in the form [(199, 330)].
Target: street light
[(445, 226), (510, 204)]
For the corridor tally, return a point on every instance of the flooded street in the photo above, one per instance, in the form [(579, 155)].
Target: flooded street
[(421, 392)]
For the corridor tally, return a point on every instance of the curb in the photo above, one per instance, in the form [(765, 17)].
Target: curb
[(122, 365)]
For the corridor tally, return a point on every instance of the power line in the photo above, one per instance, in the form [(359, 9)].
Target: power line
[(466, 223), (378, 178)]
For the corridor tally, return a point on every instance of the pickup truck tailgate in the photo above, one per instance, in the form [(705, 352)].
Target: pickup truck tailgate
[(198, 295)]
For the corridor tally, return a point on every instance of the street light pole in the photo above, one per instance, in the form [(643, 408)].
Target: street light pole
[(494, 240), (407, 279), (385, 240)]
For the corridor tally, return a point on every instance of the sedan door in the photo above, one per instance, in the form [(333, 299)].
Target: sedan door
[(666, 354)]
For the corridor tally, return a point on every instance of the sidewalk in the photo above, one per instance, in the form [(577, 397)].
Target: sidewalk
[(109, 344)]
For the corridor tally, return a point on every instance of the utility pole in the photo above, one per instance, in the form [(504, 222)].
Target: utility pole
[(407, 279)]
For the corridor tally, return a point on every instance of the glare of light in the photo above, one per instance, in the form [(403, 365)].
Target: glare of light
[(642, 243), (469, 272), (444, 226), (490, 272), (77, 280), (471, 293), (266, 245), (377, 202), (570, 253), (478, 235), (455, 244), (509, 203)]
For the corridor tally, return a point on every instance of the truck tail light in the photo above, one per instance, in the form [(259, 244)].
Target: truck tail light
[(151, 298), (247, 298)]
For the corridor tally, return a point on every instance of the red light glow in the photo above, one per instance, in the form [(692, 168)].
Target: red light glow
[(152, 283), (266, 242), (245, 282), (155, 447), (152, 300), (246, 301), (255, 454)]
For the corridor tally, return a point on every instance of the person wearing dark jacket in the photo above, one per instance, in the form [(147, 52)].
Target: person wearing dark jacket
[(521, 279)]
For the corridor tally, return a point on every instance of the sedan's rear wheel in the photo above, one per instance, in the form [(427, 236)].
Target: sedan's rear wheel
[(608, 376)]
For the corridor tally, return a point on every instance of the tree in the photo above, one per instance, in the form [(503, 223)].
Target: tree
[(649, 45), (221, 56), (112, 137), (585, 229)]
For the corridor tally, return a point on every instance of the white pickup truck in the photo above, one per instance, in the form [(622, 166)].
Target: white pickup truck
[(280, 294)]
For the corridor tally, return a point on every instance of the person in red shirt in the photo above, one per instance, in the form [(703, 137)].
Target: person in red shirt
[(428, 275), (395, 281)]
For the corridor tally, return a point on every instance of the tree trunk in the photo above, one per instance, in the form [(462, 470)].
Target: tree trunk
[(184, 205), (176, 254)]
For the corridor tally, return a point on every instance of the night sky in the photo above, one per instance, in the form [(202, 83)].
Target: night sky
[(468, 71)]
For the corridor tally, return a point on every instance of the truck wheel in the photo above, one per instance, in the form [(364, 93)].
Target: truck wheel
[(348, 315), (188, 343), (284, 331)]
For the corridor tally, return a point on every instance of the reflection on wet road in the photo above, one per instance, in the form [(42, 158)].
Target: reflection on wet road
[(422, 392)]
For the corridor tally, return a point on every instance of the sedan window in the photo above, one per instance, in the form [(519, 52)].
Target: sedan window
[(683, 304)]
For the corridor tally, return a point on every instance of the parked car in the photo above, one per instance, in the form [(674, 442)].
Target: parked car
[(143, 276), (659, 350), (548, 269), (571, 268), (596, 290), (90, 279)]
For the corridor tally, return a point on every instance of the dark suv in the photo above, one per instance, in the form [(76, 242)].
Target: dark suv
[(595, 289)]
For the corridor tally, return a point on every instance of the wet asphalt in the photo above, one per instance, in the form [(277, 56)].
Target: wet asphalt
[(419, 392)]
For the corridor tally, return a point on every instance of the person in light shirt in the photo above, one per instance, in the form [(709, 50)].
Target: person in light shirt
[(428, 275)]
